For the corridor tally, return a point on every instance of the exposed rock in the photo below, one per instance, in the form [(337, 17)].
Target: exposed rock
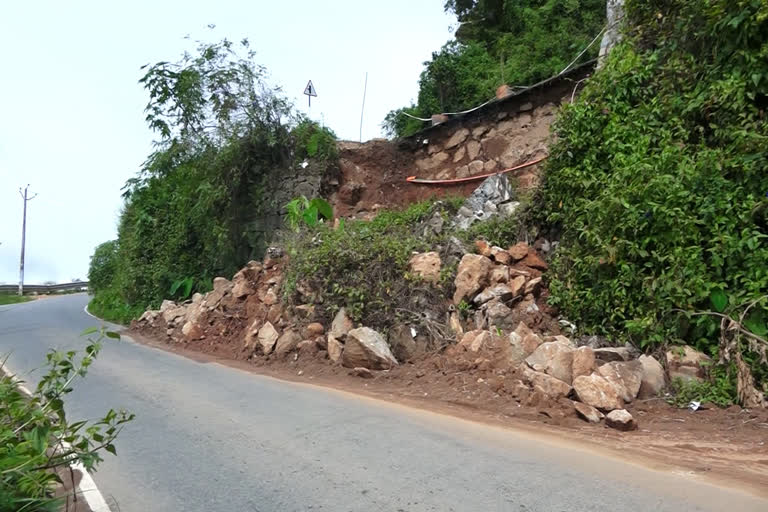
[(197, 298), (252, 333), (583, 361), (620, 419), (625, 378), (532, 286), (490, 166), (335, 348), (498, 314), (192, 331), (482, 247), (267, 338), (476, 167), (588, 412), (594, 390), (611, 354), (363, 373), (499, 274), (533, 260), (426, 265), (367, 348), (455, 323), (654, 379), (471, 277), (341, 324), (434, 225), (500, 291), (166, 305), (459, 154), (523, 342), (457, 138), (172, 314), (222, 284), (242, 288), (287, 342), (499, 255), (484, 202), (473, 148), (476, 340), (550, 386), (149, 316), (305, 311), (478, 131), (518, 251), (403, 343), (313, 329), (687, 363), (517, 285), (553, 358)]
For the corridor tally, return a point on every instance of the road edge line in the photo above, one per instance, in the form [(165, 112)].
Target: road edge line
[(87, 487)]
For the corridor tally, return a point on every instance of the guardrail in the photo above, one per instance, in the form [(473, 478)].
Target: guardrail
[(45, 288)]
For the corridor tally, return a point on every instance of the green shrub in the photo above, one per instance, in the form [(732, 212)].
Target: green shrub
[(111, 306), (659, 179), (720, 389), (33, 430), (103, 268), (313, 141), (363, 265)]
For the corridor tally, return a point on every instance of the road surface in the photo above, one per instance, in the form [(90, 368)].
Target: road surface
[(212, 438)]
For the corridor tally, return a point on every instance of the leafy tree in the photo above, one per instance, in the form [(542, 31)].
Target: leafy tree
[(103, 266)]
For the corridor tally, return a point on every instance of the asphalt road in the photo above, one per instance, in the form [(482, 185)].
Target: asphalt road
[(211, 438)]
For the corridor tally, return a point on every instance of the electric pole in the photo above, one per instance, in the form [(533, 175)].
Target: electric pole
[(26, 198)]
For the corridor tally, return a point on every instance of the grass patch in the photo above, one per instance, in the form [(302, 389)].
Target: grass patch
[(13, 299), (109, 305)]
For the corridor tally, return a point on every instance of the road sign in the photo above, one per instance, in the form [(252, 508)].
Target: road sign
[(310, 91)]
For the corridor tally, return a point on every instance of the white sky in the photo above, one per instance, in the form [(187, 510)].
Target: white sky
[(71, 110)]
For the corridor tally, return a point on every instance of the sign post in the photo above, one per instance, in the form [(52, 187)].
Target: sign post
[(310, 91)]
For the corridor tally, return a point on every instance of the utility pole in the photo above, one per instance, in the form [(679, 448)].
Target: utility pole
[(26, 198)]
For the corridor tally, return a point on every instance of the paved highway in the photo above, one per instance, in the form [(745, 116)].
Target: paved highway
[(211, 438)]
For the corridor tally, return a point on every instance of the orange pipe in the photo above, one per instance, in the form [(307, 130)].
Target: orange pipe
[(414, 179)]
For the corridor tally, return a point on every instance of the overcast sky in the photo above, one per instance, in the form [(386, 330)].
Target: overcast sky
[(71, 110)]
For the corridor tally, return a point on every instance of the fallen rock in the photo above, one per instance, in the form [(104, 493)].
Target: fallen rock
[(252, 333), (367, 348), (222, 284), (533, 260), (498, 314), (313, 329), (486, 201), (499, 274), (476, 340), (517, 285), (620, 419), (402, 340), (611, 354), (335, 349), (625, 376), (426, 265), (499, 255), (267, 338), (192, 331), (532, 286), (363, 373), (553, 358), (471, 277), (307, 348), (594, 390), (523, 342), (583, 361), (588, 412), (173, 313), (287, 342), (518, 251), (341, 324), (687, 363), (550, 386), (654, 380), (457, 138), (483, 248), (500, 291)]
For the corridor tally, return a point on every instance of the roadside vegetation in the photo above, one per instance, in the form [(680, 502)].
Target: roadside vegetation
[(191, 212), (38, 443), (7, 298), (515, 42), (659, 184)]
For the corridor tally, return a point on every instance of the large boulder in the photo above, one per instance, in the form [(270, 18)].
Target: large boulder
[(654, 379), (426, 265), (625, 377), (620, 419), (554, 358), (523, 342), (583, 361), (287, 342), (340, 326), (594, 390), (471, 277), (550, 386), (367, 348), (588, 412), (687, 363), (267, 338)]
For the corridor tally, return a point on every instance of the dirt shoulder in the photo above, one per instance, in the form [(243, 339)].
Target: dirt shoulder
[(720, 446)]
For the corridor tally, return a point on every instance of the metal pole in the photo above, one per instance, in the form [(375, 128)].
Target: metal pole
[(26, 199), (362, 111)]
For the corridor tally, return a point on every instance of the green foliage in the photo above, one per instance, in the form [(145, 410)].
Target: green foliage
[(33, 430), (313, 141), (720, 389), (7, 298), (196, 209), (302, 211), (361, 266), (103, 266), (658, 181), (516, 42)]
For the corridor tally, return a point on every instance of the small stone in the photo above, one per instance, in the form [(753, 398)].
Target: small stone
[(307, 348), (500, 291), (518, 251), (588, 412), (314, 329), (687, 363), (476, 340), (483, 248), (363, 373), (517, 285), (459, 155), (620, 419), (533, 260), (473, 149)]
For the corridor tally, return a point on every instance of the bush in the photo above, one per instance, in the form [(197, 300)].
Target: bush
[(362, 265), (103, 268), (659, 179), (33, 430)]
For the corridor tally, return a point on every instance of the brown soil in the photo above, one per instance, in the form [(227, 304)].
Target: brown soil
[(723, 445)]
